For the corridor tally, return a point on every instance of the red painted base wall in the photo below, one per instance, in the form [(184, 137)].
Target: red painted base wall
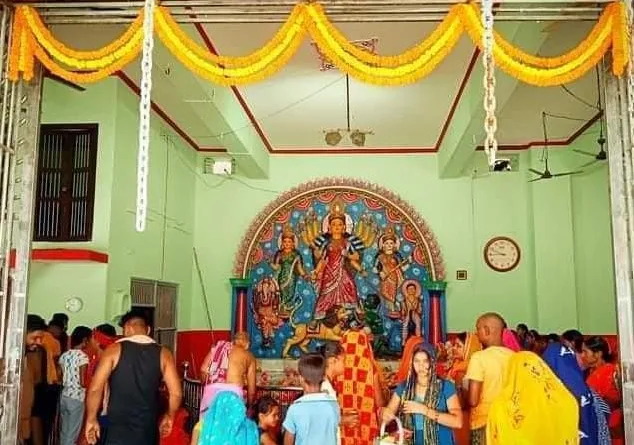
[(192, 346)]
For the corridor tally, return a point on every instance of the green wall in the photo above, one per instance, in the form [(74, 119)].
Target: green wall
[(163, 251), (565, 278)]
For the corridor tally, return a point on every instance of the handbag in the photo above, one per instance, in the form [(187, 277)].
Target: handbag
[(387, 439)]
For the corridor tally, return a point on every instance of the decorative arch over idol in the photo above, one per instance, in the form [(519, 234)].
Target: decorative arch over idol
[(338, 254)]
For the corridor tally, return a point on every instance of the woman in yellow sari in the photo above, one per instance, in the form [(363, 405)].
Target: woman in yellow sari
[(534, 407), (466, 345)]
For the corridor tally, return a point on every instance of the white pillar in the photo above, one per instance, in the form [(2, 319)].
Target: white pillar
[(620, 149)]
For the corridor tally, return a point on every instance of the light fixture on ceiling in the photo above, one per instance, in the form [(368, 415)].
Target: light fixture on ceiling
[(333, 137), (357, 137)]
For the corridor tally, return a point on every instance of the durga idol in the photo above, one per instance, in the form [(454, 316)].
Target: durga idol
[(337, 257)]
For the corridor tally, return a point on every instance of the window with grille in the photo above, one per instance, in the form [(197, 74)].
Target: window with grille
[(65, 197)]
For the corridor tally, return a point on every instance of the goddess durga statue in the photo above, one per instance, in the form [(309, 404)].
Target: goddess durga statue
[(337, 257)]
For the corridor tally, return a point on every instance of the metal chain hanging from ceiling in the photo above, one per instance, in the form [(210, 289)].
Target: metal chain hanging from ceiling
[(490, 121), (144, 116)]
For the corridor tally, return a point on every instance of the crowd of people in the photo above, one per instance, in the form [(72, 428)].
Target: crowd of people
[(500, 387), (103, 388)]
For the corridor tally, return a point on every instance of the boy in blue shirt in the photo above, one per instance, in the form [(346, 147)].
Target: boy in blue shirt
[(313, 419)]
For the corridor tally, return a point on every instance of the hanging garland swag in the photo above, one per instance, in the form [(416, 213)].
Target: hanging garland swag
[(32, 40)]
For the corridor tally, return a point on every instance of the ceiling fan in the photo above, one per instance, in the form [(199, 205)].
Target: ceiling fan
[(602, 155), (547, 174)]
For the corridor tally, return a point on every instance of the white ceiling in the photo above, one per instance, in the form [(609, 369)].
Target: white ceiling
[(294, 107)]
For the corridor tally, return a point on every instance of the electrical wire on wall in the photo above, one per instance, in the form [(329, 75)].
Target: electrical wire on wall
[(165, 194)]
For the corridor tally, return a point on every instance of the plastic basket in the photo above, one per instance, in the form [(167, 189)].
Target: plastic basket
[(381, 440)]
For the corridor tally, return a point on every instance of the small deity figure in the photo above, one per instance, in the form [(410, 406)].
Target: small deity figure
[(412, 312), (266, 303), (390, 266), (337, 257), (374, 324), (288, 264)]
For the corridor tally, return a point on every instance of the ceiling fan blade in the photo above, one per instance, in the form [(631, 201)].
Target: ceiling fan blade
[(536, 171), (537, 179), (588, 164), (585, 153), (567, 173)]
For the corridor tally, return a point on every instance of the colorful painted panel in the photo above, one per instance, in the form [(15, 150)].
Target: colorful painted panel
[(333, 255)]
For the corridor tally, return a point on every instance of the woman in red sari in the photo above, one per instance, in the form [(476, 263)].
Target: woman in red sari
[(337, 259), (466, 345), (604, 378)]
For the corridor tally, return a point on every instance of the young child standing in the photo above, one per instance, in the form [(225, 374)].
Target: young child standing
[(73, 364), (313, 419), (334, 356), (267, 417)]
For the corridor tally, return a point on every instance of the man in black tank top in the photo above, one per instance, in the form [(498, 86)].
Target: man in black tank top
[(134, 369)]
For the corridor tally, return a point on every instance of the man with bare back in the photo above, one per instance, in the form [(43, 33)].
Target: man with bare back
[(240, 372)]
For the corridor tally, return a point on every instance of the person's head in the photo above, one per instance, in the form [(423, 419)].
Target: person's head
[(489, 329), (459, 344), (56, 327), (61, 319), (242, 340), (267, 413), (288, 243), (521, 330), (35, 328), (411, 289), (596, 352), (531, 339), (311, 368), (135, 322), (333, 354), (422, 363), (337, 225), (573, 339), (553, 338), (107, 329), (81, 337)]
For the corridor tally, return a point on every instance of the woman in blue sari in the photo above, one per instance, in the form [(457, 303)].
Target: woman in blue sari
[(226, 423), (563, 362), (428, 405)]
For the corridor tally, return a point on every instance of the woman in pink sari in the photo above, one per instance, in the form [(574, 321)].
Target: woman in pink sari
[(337, 258)]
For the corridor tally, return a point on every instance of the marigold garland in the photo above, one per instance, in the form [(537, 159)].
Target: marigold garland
[(33, 40), (164, 17), (408, 56), (264, 67), (398, 75), (589, 56), (46, 39)]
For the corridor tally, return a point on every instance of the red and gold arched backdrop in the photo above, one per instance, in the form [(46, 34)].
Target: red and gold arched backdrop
[(337, 253)]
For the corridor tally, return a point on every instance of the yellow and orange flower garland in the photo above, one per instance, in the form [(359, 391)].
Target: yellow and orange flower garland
[(31, 40)]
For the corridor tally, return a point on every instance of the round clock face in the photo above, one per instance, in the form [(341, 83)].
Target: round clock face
[(502, 254), (74, 304)]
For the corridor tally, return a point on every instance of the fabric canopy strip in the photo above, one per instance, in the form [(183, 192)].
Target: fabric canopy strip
[(32, 40)]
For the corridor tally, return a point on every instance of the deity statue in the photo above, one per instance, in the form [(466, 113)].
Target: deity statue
[(287, 262), (390, 266), (336, 253), (412, 311), (266, 303)]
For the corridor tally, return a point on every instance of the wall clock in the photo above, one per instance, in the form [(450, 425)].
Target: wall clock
[(74, 304), (502, 254)]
